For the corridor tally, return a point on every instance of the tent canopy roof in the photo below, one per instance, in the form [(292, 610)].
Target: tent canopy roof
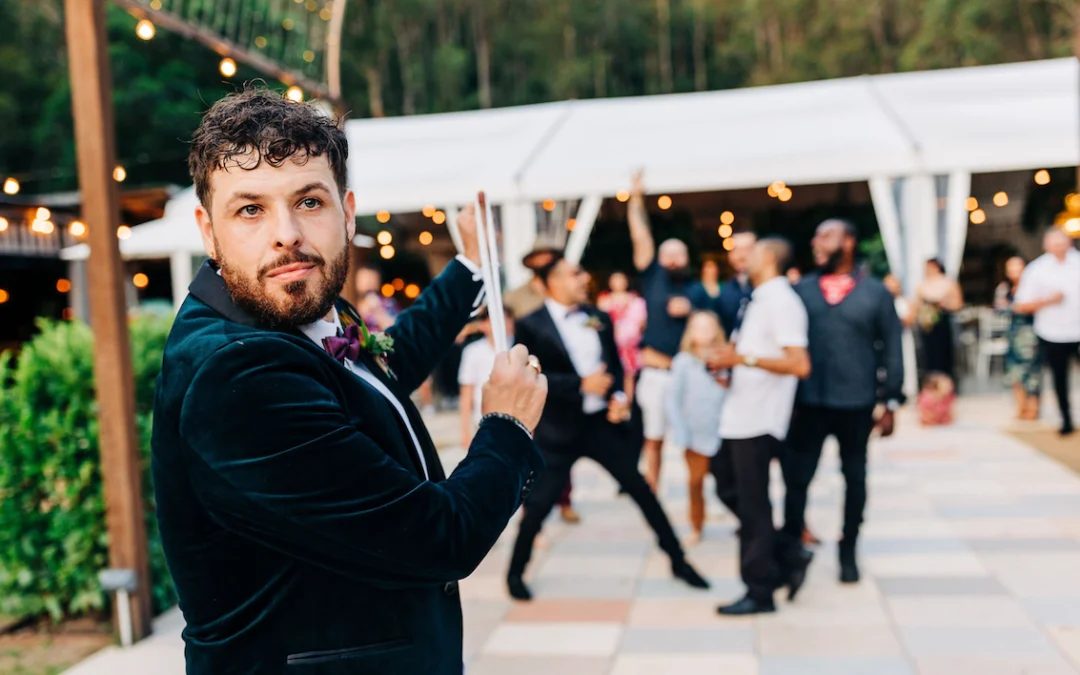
[(989, 118)]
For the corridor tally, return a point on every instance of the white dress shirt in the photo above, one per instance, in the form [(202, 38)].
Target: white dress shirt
[(582, 344), (324, 328), (1045, 276)]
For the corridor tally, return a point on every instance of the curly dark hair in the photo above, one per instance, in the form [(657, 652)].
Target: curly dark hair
[(268, 126)]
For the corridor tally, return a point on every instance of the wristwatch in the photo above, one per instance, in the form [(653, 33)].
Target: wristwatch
[(750, 361)]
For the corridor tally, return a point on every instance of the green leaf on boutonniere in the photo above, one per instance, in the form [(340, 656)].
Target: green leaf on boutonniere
[(379, 344)]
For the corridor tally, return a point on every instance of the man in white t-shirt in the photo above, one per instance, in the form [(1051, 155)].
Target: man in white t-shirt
[(1050, 289), (477, 360), (767, 360)]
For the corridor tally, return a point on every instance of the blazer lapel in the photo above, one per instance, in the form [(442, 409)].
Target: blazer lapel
[(547, 325)]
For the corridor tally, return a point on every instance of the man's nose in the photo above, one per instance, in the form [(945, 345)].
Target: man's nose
[(287, 234)]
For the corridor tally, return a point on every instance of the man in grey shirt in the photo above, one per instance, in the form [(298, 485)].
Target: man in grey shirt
[(855, 334)]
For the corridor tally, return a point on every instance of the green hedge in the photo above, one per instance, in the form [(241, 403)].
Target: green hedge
[(52, 512)]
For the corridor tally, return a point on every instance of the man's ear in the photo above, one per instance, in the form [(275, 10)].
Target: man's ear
[(349, 205), (206, 230)]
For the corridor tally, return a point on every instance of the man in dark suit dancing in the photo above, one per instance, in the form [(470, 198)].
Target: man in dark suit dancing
[(584, 414), (305, 516)]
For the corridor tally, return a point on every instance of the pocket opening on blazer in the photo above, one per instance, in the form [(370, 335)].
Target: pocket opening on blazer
[(311, 658)]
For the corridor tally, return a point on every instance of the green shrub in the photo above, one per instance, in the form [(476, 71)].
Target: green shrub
[(52, 511)]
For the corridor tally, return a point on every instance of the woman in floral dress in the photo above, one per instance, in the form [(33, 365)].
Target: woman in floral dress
[(627, 311), (1023, 367)]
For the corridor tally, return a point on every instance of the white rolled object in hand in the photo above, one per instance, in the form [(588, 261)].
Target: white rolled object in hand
[(489, 266)]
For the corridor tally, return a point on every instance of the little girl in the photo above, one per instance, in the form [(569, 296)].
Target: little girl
[(693, 407), (935, 403)]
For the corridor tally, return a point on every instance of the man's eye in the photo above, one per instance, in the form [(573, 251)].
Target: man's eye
[(250, 211), (311, 203)]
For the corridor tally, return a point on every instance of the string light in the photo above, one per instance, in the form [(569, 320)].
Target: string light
[(971, 204), (387, 291), (398, 284), (428, 211), (412, 291), (42, 227), (724, 231), (227, 67), (3, 296), (622, 196), (123, 232), (309, 56), (1042, 177), (140, 280), (1001, 199), (77, 228), (664, 202), (1072, 201), (383, 216), (729, 244), (775, 188), (570, 224), (42, 213), (387, 252), (63, 286), (311, 5), (1072, 226), (785, 195), (295, 94), (426, 238), (549, 204), (119, 174), (438, 218), (325, 14), (287, 24), (384, 237), (3, 224), (11, 186), (145, 29), (727, 217), (261, 42), (155, 5), (978, 217)]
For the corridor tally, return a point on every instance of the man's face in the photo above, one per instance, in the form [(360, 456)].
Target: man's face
[(710, 272), (368, 281), (673, 256), (1057, 243), (280, 237), (568, 283), (758, 260), (828, 245), (738, 256)]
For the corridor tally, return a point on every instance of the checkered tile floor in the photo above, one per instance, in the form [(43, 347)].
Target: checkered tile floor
[(970, 559)]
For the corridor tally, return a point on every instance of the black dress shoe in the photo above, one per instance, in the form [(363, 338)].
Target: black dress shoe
[(797, 575), (518, 589), (849, 571), (746, 607), (1067, 429), (683, 571)]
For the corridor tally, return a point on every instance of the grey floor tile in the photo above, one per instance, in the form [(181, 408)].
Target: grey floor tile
[(585, 547), (900, 545), (688, 640), (542, 665), (824, 665), (584, 587), (722, 589), (1053, 611), (982, 641), (940, 586), (1003, 545)]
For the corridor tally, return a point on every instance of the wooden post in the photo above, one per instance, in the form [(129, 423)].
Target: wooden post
[(91, 100)]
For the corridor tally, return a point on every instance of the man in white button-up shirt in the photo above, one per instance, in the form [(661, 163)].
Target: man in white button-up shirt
[(1050, 289)]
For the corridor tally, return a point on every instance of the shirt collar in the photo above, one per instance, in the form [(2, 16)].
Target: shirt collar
[(775, 281), (317, 330), (559, 310)]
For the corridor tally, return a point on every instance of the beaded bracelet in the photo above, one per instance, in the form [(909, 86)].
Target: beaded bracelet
[(508, 418)]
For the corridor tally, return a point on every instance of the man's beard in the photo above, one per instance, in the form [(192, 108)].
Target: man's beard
[(303, 305), (833, 262)]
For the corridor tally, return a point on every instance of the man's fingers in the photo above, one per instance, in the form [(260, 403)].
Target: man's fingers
[(519, 356)]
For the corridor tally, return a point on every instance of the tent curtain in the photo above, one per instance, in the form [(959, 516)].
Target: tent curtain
[(888, 218), (583, 225), (956, 220), (518, 237)]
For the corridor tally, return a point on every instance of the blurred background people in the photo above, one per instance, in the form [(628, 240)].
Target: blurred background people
[(1050, 289), (694, 401), (936, 298), (1023, 360), (705, 294), (627, 311), (736, 292)]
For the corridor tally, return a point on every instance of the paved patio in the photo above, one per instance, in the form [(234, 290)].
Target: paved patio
[(971, 564)]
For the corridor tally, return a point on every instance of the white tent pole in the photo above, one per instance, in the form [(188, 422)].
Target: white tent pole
[(519, 228), (881, 194), (452, 228), (583, 225), (180, 270), (918, 218), (956, 220)]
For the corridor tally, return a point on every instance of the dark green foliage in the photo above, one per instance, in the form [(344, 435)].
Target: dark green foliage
[(52, 511)]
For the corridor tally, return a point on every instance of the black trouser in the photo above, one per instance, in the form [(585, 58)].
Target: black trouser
[(604, 443), (809, 428), (741, 470), (1057, 355)]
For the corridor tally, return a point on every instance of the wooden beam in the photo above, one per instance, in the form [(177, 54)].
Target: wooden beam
[(92, 106)]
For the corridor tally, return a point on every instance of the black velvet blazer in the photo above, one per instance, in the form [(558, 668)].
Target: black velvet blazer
[(294, 514)]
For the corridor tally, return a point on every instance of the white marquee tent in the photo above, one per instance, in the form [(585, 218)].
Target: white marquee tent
[(915, 137)]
